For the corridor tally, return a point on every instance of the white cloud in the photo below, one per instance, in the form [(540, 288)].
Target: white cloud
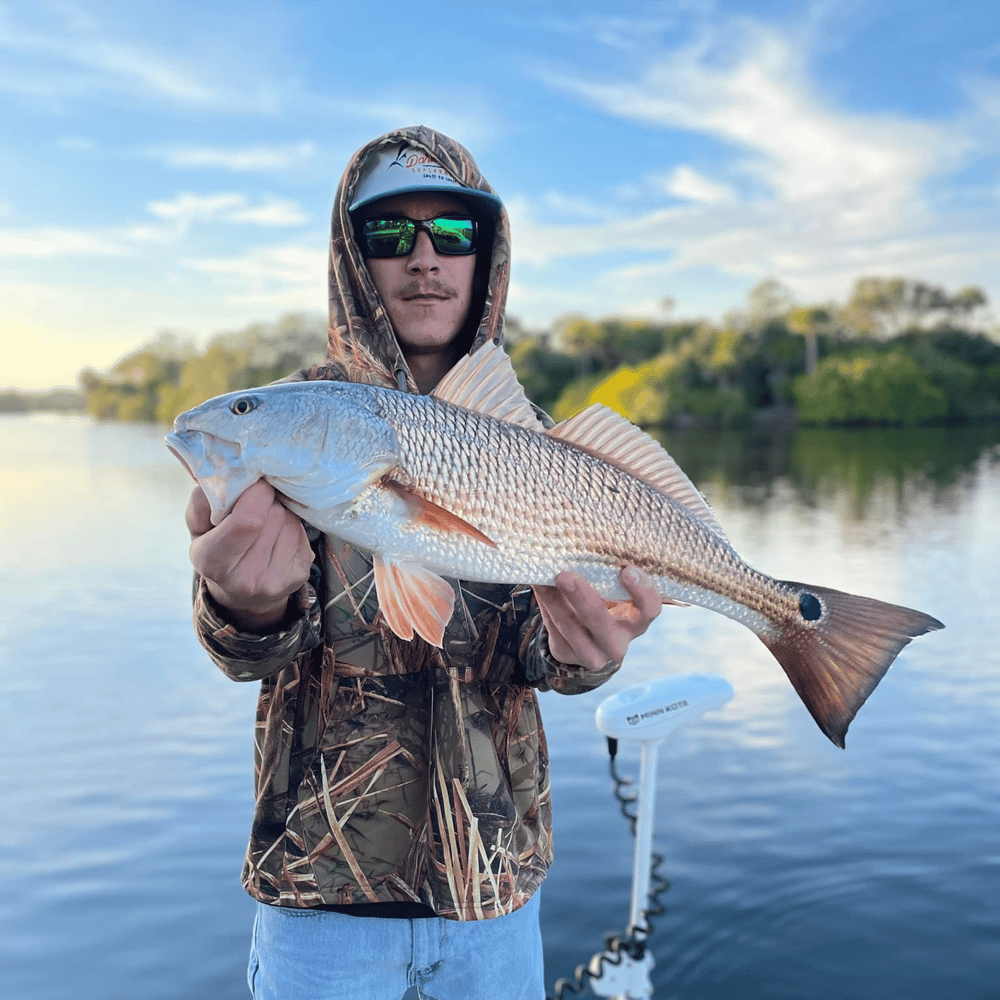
[(187, 208), (73, 55), (55, 241), (248, 158), (76, 144), (177, 216), (685, 182), (25, 296), (538, 243), (287, 276), (833, 192), (274, 212), (580, 208), (759, 100), (95, 63)]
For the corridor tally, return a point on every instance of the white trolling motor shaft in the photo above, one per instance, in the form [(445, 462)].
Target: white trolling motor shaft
[(648, 713)]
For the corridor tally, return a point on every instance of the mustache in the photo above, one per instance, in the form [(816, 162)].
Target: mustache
[(431, 286)]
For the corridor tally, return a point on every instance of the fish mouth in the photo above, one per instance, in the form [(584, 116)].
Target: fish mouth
[(181, 453), (211, 462), (201, 453)]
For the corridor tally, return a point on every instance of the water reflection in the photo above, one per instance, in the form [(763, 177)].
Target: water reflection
[(127, 778), (817, 463)]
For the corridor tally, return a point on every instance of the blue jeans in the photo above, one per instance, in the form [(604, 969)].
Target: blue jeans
[(319, 955)]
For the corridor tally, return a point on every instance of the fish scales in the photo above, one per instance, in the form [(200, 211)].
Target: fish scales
[(560, 507)]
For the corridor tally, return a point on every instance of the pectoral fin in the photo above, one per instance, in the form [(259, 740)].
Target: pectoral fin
[(433, 515), (413, 599)]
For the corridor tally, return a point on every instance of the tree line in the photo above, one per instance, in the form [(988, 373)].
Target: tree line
[(899, 351), (168, 375)]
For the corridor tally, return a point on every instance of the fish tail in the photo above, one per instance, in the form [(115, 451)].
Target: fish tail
[(839, 649)]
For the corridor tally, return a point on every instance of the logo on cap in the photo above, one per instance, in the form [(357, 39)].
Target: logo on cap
[(422, 165)]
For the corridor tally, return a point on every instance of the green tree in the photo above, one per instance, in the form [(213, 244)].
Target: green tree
[(604, 345), (809, 322), (544, 373), (870, 388), (768, 300), (885, 307)]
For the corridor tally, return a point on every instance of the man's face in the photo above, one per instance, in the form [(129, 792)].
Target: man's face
[(427, 294)]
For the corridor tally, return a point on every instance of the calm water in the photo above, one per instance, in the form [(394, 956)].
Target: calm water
[(799, 870)]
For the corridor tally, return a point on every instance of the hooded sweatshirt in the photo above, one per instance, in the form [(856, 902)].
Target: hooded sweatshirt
[(391, 771)]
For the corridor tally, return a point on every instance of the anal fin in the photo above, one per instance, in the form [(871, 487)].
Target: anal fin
[(413, 599)]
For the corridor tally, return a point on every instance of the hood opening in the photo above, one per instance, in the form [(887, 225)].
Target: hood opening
[(358, 318)]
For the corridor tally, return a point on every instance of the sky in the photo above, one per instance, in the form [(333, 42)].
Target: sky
[(171, 166)]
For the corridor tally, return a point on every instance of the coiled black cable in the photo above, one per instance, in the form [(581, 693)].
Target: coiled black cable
[(633, 942)]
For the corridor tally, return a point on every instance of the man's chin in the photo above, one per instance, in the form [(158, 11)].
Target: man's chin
[(426, 338)]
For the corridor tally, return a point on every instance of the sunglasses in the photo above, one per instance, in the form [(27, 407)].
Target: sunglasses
[(397, 237)]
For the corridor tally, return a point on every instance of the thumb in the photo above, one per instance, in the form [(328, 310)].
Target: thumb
[(198, 515)]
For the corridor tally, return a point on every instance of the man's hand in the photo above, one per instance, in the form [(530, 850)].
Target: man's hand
[(254, 559), (584, 630)]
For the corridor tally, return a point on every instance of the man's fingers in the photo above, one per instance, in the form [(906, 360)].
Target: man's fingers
[(252, 507), (575, 634), (586, 630), (283, 541), (645, 597)]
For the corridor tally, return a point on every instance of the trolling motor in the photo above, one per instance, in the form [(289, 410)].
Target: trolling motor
[(647, 713)]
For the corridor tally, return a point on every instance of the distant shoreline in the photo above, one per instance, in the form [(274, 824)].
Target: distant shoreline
[(58, 399)]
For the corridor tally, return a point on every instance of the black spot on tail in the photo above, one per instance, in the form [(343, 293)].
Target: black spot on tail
[(810, 607)]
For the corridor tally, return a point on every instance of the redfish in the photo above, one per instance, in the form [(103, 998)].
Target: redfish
[(467, 483)]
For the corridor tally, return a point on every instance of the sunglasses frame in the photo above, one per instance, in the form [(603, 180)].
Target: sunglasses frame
[(417, 226)]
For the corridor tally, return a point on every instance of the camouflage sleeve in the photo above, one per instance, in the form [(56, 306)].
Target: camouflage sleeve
[(245, 656), (544, 672)]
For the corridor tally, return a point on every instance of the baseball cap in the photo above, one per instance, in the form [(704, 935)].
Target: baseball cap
[(404, 169)]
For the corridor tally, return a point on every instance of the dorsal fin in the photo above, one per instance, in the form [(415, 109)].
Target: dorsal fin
[(612, 438), (485, 381)]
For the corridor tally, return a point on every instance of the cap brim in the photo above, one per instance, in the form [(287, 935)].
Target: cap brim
[(481, 199)]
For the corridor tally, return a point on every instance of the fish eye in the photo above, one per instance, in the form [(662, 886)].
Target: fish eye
[(243, 405)]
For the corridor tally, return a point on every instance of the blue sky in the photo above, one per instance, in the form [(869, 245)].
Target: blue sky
[(172, 165)]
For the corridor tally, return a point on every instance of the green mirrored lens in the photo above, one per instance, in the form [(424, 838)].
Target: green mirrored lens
[(454, 236), (389, 237)]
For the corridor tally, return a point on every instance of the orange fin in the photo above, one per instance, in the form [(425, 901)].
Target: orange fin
[(427, 512), (607, 434), (839, 651), (413, 599), (485, 381)]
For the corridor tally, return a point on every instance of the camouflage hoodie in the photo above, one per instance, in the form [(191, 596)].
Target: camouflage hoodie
[(386, 770)]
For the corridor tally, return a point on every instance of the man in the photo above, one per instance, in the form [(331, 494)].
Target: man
[(402, 822)]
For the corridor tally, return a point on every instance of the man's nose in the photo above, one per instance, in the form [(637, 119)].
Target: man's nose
[(423, 256)]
